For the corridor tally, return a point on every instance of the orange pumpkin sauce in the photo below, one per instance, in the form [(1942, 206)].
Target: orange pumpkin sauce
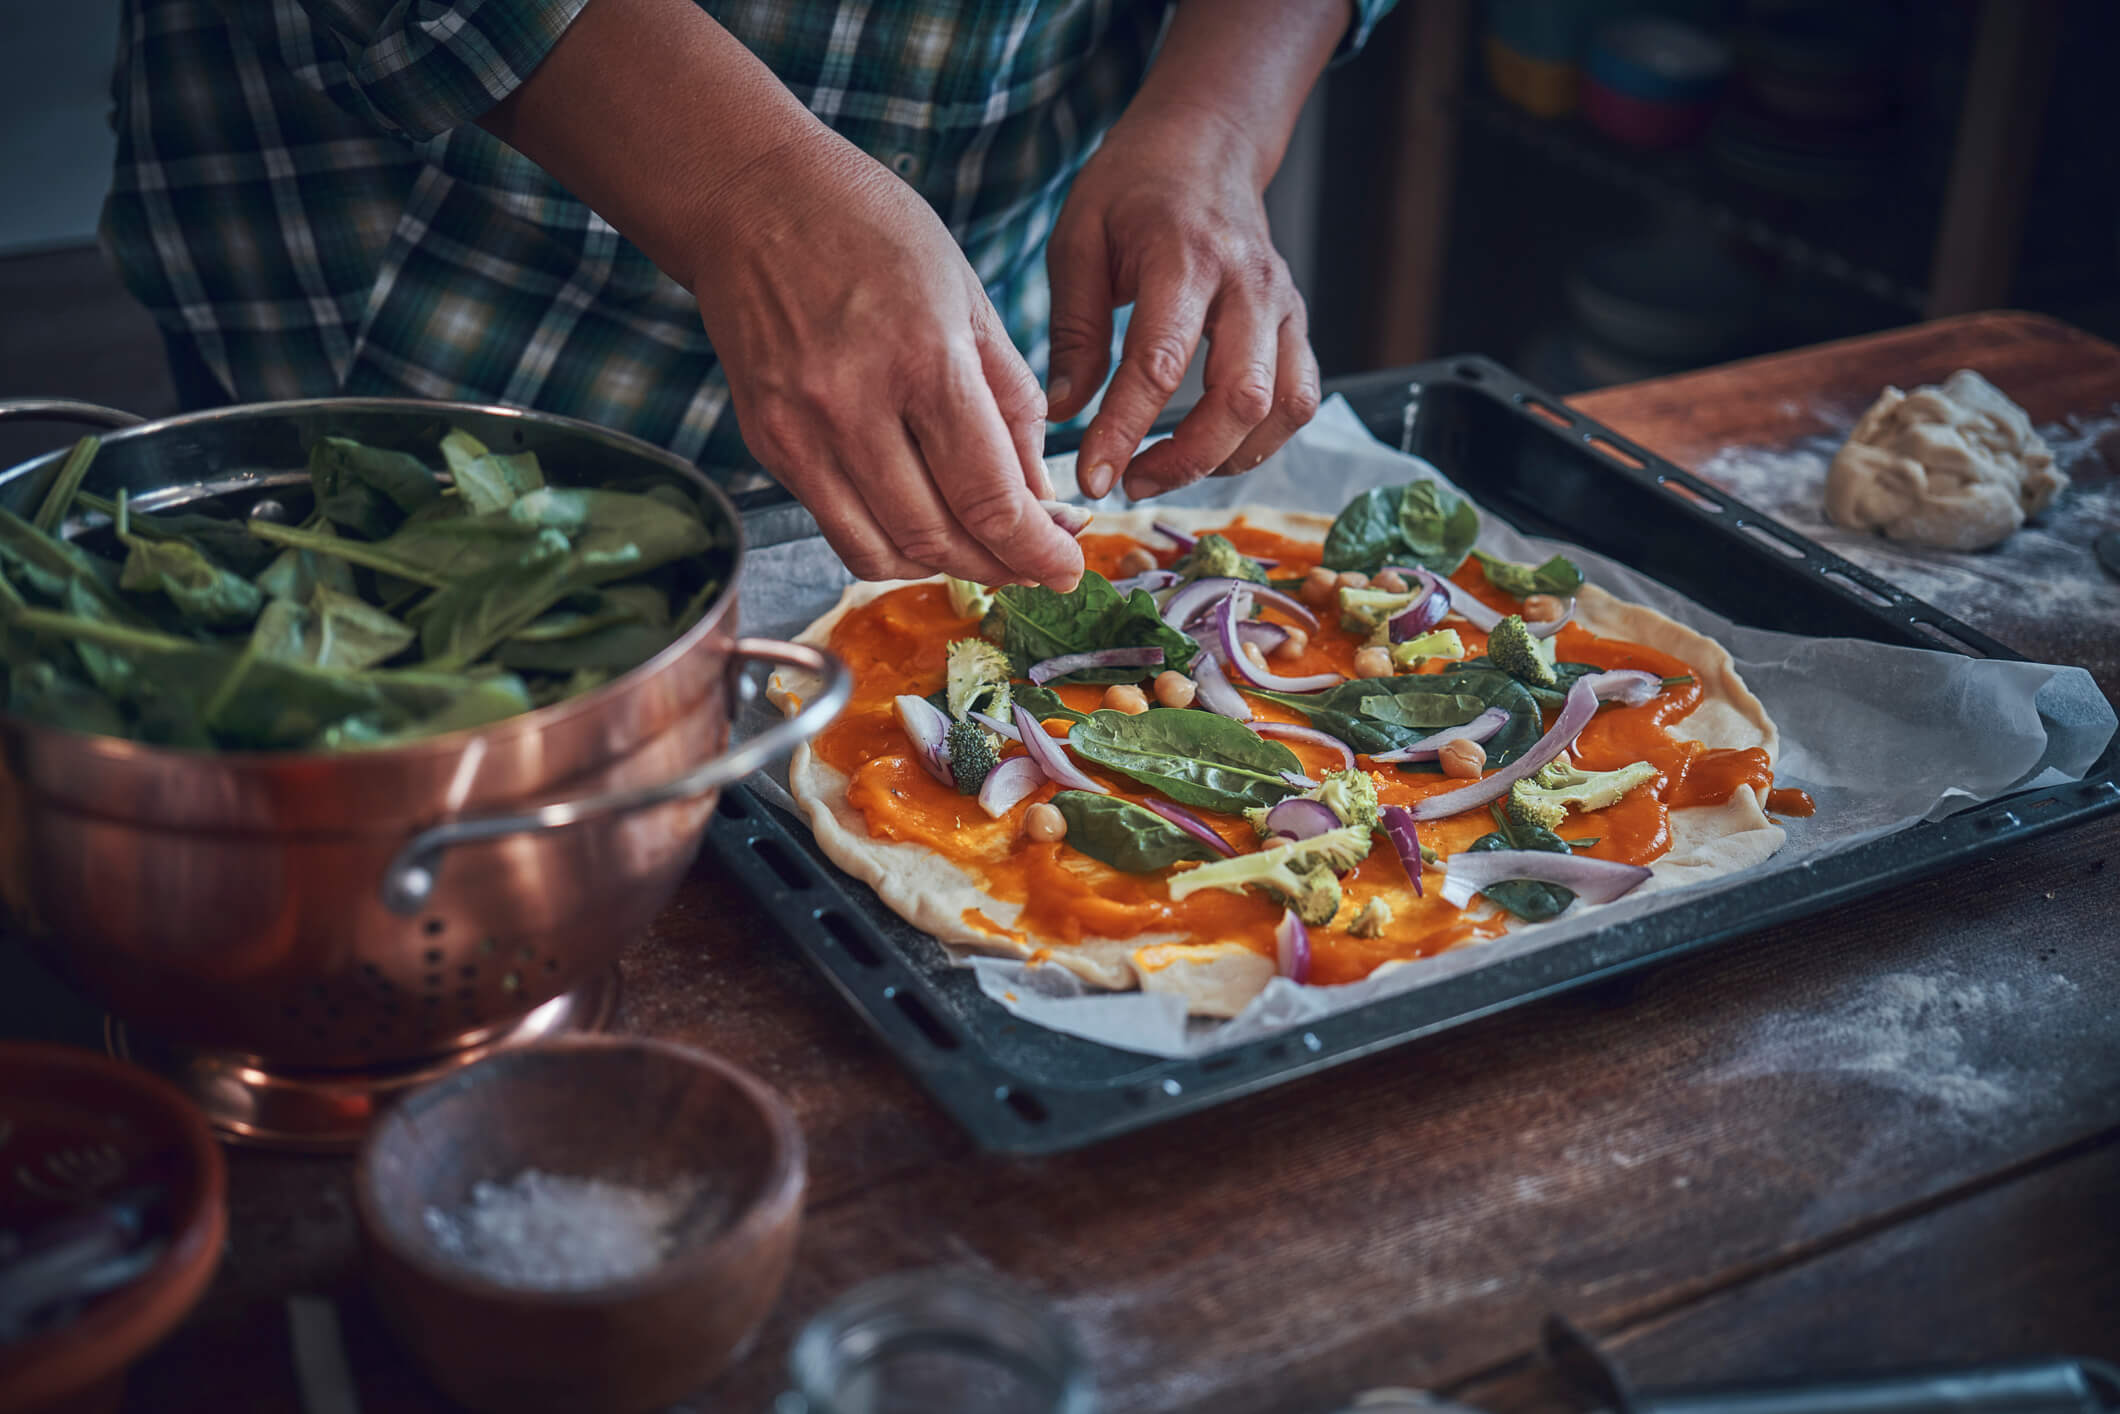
[(898, 643)]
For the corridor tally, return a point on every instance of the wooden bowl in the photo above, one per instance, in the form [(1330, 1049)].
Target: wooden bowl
[(78, 1128), (648, 1114)]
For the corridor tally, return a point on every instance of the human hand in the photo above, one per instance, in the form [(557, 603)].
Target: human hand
[(1170, 217), (873, 379)]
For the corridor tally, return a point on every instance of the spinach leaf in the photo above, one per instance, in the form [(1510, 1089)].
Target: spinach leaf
[(60, 497), (108, 668), (295, 573), (613, 648), (486, 481), (1553, 698), (1365, 534), (378, 557), (605, 525), (1528, 899), (1422, 711), (1435, 527), (1558, 576), (1033, 624), (42, 693), (1339, 710), (479, 702), (465, 620), (1043, 703), (1419, 522), (333, 630), (265, 703), (1124, 835), (1195, 758), (202, 591), (369, 490), (45, 565), (222, 539)]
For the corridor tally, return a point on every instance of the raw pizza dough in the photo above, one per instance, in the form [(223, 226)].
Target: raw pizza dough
[(1218, 979), (1956, 466)]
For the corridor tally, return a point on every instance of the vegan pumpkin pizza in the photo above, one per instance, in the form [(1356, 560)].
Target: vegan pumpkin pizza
[(1265, 743)]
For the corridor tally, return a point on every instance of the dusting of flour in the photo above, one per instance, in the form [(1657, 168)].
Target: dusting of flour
[(2045, 571), (1933, 1036)]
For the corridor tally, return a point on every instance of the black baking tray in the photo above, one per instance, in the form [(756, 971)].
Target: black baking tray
[(1020, 1088)]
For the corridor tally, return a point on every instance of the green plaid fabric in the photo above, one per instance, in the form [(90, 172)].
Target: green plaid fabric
[(301, 193)]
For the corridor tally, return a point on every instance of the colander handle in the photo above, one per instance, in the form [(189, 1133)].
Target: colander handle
[(65, 410), (411, 877)]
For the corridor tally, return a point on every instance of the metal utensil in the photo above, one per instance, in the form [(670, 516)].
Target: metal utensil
[(315, 932)]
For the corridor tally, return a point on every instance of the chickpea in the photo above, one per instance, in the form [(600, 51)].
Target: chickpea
[(1390, 581), (1139, 560), (1174, 689), (1373, 663), (1462, 759), (1352, 579), (1543, 609), (1320, 586), (1292, 647), (1253, 656), (1045, 823), (1125, 697)]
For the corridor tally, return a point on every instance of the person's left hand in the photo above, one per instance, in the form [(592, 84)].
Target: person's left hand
[(1168, 215)]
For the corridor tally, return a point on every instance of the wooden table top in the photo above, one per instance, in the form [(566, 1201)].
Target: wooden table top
[(1884, 1139)]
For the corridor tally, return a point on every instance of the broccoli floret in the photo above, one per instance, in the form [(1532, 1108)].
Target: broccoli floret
[(1338, 850), (972, 756), (1214, 557), (968, 600), (1348, 793), (1374, 918), (1443, 643), (1512, 648), (1558, 576), (1307, 887), (1544, 799), (978, 679), (1371, 610)]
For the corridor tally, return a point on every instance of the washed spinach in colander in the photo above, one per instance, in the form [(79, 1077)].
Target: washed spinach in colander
[(407, 604)]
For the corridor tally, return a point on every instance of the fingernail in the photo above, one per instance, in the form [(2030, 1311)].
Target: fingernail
[(1097, 481), (1058, 390)]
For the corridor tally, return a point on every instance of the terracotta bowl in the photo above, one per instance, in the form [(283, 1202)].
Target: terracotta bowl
[(648, 1114), (77, 1128)]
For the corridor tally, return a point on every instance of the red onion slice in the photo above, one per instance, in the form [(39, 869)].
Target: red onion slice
[(1262, 635), (1463, 601), (930, 730), (1291, 941), (1215, 692), (1178, 537), (1050, 755), (1299, 780), (1405, 837), (1192, 825), (996, 726), (1060, 667), (1547, 630), (1187, 604), (1592, 880), (1008, 784), (1485, 725), (1290, 731), (1629, 687), (1153, 581), (1423, 615), (1300, 819), (1233, 611), (1620, 685), (1072, 519)]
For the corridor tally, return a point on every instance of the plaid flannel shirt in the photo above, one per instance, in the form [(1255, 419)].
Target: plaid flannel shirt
[(302, 193)]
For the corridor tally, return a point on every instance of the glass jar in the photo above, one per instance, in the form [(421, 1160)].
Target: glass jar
[(937, 1342)]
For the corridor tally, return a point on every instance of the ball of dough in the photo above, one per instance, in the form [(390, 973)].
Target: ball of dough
[(1957, 466)]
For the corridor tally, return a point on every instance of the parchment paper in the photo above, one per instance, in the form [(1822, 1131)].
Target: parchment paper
[(1882, 738)]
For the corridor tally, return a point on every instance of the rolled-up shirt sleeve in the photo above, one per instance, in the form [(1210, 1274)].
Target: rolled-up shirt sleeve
[(416, 68), (1366, 15)]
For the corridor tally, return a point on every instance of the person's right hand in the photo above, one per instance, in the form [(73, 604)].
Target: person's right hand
[(872, 377)]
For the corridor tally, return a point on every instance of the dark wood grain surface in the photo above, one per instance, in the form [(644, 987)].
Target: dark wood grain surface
[(1889, 1137)]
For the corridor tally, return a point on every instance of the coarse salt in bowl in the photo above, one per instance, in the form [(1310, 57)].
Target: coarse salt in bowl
[(596, 1224)]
